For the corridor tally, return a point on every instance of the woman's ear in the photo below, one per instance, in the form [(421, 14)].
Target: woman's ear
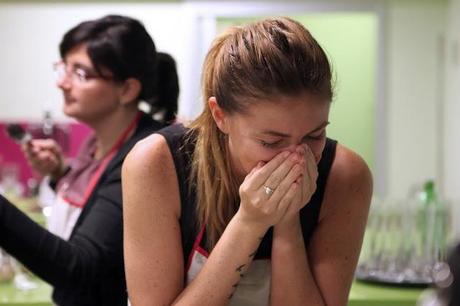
[(129, 91), (219, 115)]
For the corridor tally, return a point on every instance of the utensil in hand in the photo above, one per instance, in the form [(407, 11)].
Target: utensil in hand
[(18, 133)]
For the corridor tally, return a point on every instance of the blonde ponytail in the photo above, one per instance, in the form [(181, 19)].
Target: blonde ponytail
[(216, 187)]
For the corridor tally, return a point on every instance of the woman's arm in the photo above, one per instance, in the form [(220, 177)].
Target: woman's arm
[(323, 273), (94, 250), (153, 249), (292, 279), (151, 229)]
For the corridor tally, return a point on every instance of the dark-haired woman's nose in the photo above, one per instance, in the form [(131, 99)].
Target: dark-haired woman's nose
[(64, 82)]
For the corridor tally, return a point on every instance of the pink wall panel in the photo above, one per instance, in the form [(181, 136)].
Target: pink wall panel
[(69, 135)]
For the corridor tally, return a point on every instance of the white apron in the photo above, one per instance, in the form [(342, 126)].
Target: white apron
[(253, 289), (65, 211)]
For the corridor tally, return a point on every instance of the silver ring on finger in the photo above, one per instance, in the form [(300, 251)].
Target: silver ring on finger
[(268, 191)]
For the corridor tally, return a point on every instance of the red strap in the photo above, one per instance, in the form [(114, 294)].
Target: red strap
[(196, 247), (97, 175)]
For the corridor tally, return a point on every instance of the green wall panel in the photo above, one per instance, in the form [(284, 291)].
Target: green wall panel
[(350, 41)]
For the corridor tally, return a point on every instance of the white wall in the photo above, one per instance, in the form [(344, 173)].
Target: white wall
[(414, 32), (30, 34), (452, 108)]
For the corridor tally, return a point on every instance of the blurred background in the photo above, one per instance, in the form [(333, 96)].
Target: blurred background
[(396, 67)]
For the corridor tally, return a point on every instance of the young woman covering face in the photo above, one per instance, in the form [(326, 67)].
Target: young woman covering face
[(250, 204)]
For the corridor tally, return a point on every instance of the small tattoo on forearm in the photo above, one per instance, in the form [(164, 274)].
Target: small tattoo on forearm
[(235, 285), (240, 268)]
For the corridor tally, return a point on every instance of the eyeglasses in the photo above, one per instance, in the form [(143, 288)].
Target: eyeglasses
[(78, 75)]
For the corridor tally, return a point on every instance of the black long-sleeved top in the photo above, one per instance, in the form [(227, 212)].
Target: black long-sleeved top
[(87, 269)]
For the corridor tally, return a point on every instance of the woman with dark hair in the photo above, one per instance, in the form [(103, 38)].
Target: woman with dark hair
[(108, 66), (251, 203)]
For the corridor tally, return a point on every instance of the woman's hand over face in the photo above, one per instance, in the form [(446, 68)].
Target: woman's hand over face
[(271, 188), (306, 182)]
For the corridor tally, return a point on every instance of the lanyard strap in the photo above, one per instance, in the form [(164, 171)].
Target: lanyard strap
[(97, 174)]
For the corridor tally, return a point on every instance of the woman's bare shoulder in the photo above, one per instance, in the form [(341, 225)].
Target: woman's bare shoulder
[(148, 151), (149, 171), (348, 165), (349, 181)]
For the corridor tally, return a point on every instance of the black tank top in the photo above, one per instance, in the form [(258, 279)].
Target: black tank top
[(182, 152)]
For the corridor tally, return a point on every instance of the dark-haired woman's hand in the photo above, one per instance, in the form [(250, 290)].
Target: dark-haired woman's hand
[(45, 157), (270, 188)]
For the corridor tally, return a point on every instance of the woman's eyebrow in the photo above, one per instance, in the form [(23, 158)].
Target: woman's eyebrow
[(284, 135), (275, 133), (321, 126)]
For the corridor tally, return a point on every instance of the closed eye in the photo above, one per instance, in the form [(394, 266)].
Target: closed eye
[(270, 145), (317, 137)]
